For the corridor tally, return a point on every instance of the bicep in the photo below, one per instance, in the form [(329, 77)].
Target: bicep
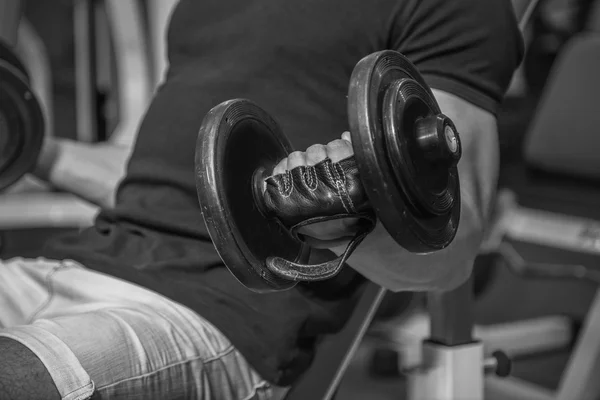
[(380, 259), (479, 165)]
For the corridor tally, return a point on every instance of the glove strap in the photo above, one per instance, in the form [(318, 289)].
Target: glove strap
[(317, 272)]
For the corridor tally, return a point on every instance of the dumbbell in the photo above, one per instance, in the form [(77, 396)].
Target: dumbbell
[(405, 149), (21, 120)]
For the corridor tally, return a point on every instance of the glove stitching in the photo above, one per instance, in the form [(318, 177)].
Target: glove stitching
[(336, 182), (344, 189), (310, 178), (286, 182)]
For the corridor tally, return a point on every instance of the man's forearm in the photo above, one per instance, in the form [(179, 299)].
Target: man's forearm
[(382, 260), (90, 171)]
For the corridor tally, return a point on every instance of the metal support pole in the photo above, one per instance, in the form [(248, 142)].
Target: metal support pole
[(452, 362), (452, 315), (10, 15), (84, 27)]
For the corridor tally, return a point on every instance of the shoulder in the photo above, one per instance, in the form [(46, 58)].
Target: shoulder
[(470, 48), (452, 15)]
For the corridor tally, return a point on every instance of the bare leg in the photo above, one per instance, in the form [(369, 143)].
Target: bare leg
[(22, 374), (10, 14)]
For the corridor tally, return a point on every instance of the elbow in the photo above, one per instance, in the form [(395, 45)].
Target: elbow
[(452, 267), (438, 276), (441, 279), (453, 277)]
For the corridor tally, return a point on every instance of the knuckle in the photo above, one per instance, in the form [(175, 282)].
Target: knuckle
[(295, 155), (315, 148), (281, 167), (337, 143), (315, 153), (296, 159), (339, 149)]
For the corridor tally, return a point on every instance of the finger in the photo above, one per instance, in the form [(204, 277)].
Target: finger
[(315, 154), (339, 149), (346, 136), (281, 167), (296, 159)]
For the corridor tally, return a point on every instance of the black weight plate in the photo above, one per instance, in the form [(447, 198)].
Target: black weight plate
[(21, 125), (235, 140), (432, 188), (9, 144), (398, 201), (428, 184)]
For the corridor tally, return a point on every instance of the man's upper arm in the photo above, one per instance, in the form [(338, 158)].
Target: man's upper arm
[(478, 168), (467, 51), (380, 259), (478, 171)]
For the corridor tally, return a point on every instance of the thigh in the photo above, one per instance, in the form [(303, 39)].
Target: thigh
[(24, 288), (156, 354), (93, 330)]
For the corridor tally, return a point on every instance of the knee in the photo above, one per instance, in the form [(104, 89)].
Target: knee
[(22, 374)]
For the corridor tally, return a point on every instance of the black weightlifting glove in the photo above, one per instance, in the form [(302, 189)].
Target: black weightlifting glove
[(310, 194), (307, 195)]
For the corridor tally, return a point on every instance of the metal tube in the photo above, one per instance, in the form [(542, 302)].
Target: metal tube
[(452, 315), (10, 15), (85, 70)]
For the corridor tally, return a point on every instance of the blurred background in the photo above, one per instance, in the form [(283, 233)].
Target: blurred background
[(96, 63)]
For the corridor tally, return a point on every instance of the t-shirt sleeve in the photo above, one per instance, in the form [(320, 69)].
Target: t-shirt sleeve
[(469, 48)]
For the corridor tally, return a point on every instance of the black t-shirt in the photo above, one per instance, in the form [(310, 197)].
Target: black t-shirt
[(293, 58)]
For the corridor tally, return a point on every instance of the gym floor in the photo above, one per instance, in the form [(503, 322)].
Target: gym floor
[(527, 298)]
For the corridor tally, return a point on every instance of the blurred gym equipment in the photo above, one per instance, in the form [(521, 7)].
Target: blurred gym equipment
[(119, 59), (21, 119), (561, 205), (159, 13), (10, 14), (115, 78), (112, 54)]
